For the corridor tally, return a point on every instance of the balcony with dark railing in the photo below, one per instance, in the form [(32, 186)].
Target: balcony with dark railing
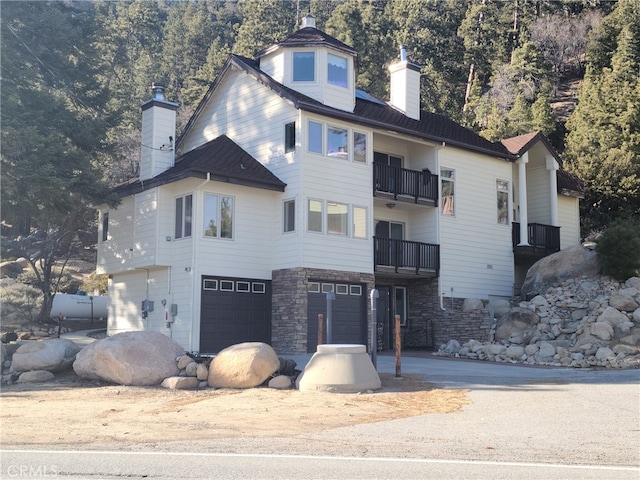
[(542, 239), (403, 185), (406, 257)]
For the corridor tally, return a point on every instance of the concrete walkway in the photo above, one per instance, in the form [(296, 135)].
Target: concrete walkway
[(81, 337)]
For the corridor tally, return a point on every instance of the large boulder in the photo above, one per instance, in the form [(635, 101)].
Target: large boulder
[(569, 263), (130, 358), (52, 355), (518, 326), (245, 365)]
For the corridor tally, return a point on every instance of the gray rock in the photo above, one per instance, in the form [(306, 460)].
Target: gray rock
[(245, 365), (514, 351), (190, 370), (539, 301), (604, 352), (202, 372), (53, 355), (546, 350), (623, 303), (627, 349), (35, 376), (494, 349), (572, 262), (180, 383), (519, 325), (130, 358), (280, 382), (183, 361), (531, 349), (452, 346), (602, 330), (636, 315), (471, 304)]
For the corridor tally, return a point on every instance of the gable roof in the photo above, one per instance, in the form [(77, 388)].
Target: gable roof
[(568, 184), (309, 37), (221, 160), (369, 112)]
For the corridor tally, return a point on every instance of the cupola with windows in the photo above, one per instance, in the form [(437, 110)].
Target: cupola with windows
[(315, 64)]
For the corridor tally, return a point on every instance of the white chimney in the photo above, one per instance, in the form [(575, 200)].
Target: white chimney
[(308, 21), (405, 86), (158, 134)]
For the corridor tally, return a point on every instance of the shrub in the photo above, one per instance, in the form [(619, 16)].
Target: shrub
[(68, 284), (619, 251), (95, 284), (20, 302)]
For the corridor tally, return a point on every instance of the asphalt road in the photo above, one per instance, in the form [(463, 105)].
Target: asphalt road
[(522, 422)]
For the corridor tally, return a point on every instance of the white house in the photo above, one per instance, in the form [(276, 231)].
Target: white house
[(289, 183)]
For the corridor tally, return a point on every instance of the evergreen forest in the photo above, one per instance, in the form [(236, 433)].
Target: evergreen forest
[(74, 74)]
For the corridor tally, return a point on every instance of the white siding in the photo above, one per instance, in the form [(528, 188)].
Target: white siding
[(476, 251), (538, 195), (145, 228), (569, 221), (117, 250), (158, 124)]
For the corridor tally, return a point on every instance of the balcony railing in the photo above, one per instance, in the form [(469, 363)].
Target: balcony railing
[(404, 256), (402, 184), (541, 238)]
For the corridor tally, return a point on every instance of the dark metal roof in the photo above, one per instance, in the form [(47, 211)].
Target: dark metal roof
[(309, 37), (221, 160)]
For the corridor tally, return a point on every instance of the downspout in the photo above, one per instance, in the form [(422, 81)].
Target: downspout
[(194, 257), (438, 225)]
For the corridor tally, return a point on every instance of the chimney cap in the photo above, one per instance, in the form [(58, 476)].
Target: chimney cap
[(308, 21), (157, 90)]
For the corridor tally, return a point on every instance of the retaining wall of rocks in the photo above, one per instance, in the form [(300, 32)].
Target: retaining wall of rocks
[(583, 322)]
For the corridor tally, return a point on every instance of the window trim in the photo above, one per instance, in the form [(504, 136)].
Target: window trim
[(105, 226), (452, 181), (219, 200), (185, 218), (322, 213), (286, 216), (293, 66), (346, 73), (506, 200), (289, 137)]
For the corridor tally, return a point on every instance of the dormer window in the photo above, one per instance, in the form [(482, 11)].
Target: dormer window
[(304, 66), (337, 71)]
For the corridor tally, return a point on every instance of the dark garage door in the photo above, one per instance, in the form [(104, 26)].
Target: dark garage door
[(349, 318), (234, 310)]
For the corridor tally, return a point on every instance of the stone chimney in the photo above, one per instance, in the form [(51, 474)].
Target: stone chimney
[(308, 21), (158, 134), (405, 86)]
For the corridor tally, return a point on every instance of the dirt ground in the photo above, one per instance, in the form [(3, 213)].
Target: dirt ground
[(73, 413)]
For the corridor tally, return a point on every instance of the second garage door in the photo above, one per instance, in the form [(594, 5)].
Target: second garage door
[(234, 310)]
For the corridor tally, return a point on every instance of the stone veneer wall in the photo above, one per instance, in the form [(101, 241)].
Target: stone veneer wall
[(429, 325), (290, 302)]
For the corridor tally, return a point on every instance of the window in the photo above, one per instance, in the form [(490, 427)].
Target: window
[(359, 222), (304, 67), (218, 216), (243, 286), (315, 137), (313, 287), (401, 304), (337, 218), (289, 216), (314, 216), (289, 137), (447, 178), (184, 211), (502, 190), (342, 289), (337, 71), (337, 143), (359, 147), (210, 285), (226, 286), (105, 226)]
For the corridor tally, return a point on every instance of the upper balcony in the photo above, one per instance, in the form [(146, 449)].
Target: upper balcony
[(403, 185), (542, 240)]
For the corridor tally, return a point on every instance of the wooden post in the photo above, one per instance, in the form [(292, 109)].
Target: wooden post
[(320, 328), (398, 347)]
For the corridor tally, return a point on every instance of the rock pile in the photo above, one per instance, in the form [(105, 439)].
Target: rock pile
[(583, 322)]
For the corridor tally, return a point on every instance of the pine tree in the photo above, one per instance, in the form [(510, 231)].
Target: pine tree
[(603, 145), (264, 23)]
